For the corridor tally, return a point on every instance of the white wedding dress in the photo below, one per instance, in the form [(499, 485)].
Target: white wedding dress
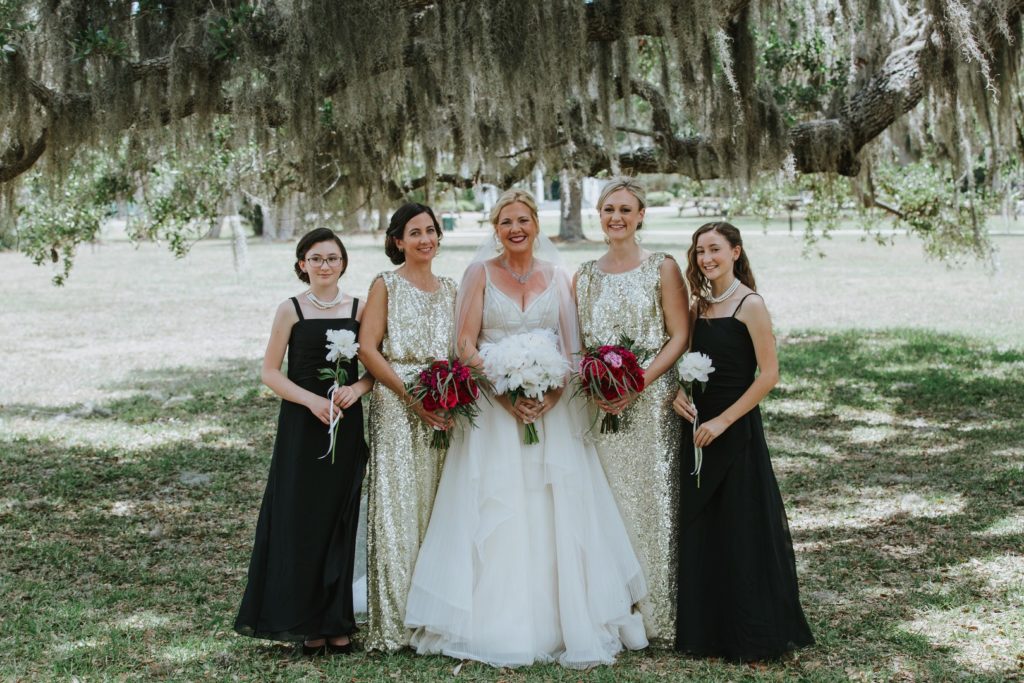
[(526, 558)]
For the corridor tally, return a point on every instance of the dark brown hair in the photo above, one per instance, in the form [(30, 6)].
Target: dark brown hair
[(396, 229), (700, 286), (316, 236)]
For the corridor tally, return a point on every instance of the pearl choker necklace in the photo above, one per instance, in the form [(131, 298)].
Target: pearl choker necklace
[(726, 294), (324, 305)]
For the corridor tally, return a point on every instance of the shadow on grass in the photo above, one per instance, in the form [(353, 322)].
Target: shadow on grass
[(126, 526)]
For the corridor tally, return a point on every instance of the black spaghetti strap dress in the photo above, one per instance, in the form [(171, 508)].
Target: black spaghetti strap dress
[(738, 597), (300, 574)]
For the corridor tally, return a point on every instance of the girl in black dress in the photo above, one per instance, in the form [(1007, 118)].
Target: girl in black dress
[(300, 574), (738, 596)]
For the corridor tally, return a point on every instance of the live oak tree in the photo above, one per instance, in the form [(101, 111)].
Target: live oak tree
[(373, 100)]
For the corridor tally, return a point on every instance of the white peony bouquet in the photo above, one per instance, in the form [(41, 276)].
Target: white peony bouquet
[(527, 364), (695, 367), (341, 348)]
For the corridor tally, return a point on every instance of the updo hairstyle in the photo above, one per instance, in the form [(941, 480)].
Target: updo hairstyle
[(396, 229), (511, 197)]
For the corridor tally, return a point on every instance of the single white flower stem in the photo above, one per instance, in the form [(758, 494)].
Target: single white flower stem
[(698, 452)]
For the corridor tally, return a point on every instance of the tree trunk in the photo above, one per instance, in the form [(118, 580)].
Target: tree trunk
[(239, 246), (382, 215), (271, 221), (289, 216), (570, 226), (349, 222)]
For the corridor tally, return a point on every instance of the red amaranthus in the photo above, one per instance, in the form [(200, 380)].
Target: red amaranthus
[(451, 386), (610, 372)]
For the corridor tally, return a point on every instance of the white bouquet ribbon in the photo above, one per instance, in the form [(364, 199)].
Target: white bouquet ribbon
[(695, 367), (341, 347)]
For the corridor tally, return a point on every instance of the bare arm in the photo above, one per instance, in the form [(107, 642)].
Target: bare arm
[(673, 303), (271, 374), (472, 320), (682, 404), (755, 316), (348, 395), (372, 329), (677, 324)]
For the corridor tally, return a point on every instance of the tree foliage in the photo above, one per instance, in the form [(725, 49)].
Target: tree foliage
[(349, 97)]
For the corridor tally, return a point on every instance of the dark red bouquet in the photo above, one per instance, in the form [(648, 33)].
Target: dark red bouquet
[(608, 373), (450, 386)]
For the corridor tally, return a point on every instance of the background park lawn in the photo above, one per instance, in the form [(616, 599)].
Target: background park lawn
[(135, 440)]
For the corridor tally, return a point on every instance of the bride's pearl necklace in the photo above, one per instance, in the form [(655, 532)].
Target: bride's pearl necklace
[(726, 294), (324, 305)]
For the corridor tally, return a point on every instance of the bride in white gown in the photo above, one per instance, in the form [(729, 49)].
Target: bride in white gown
[(526, 558)]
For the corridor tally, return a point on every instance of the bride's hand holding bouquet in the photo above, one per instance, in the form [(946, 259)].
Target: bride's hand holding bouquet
[(529, 371)]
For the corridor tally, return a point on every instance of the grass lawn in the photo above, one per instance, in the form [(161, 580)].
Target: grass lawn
[(135, 440)]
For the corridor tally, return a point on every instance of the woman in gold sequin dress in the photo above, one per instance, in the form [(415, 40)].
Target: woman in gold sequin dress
[(632, 292), (407, 322)]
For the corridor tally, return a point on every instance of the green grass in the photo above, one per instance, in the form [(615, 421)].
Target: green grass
[(905, 507), (896, 434)]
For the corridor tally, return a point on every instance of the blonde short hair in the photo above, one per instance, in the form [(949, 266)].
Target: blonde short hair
[(630, 185), (511, 197)]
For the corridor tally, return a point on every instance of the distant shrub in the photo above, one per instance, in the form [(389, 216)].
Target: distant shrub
[(659, 198)]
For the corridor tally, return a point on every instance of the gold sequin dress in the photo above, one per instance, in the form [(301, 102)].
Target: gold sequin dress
[(403, 469), (641, 460)]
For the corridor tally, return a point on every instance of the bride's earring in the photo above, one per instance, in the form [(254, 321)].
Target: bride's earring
[(498, 246)]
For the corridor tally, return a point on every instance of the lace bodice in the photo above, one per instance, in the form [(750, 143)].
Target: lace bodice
[(502, 316)]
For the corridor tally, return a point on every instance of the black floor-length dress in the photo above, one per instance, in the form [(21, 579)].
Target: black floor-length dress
[(738, 596), (300, 574)]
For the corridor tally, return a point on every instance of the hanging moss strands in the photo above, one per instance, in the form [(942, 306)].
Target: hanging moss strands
[(373, 99)]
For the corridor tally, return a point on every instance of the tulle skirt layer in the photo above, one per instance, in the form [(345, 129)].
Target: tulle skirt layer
[(526, 558)]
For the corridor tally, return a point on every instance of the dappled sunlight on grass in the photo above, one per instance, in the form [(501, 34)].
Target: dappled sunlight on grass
[(142, 620), (133, 554), (109, 434), (1011, 525), (870, 506), (803, 408), (868, 434), (187, 652), (983, 637), (66, 647)]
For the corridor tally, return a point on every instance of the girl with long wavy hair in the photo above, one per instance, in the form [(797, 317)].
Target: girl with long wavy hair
[(737, 585)]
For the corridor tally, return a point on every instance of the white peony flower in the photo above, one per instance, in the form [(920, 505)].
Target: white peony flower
[(341, 344), (530, 363), (695, 367)]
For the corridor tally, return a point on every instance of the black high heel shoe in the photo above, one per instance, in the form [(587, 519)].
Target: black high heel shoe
[(314, 650), (345, 649)]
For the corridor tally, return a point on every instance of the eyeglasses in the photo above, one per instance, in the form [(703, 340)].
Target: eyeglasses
[(317, 261)]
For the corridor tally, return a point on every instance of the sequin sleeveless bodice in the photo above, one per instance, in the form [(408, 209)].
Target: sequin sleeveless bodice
[(604, 318)]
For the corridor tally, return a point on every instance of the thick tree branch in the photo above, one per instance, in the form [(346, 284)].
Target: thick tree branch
[(17, 160), (824, 145)]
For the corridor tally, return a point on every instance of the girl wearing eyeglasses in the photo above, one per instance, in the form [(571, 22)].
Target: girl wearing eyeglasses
[(300, 573)]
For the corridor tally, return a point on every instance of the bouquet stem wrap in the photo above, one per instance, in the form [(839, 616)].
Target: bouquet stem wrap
[(610, 372), (451, 387), (341, 347), (695, 367), (525, 366)]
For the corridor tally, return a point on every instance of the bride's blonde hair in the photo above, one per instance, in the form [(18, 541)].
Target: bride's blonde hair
[(511, 197)]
